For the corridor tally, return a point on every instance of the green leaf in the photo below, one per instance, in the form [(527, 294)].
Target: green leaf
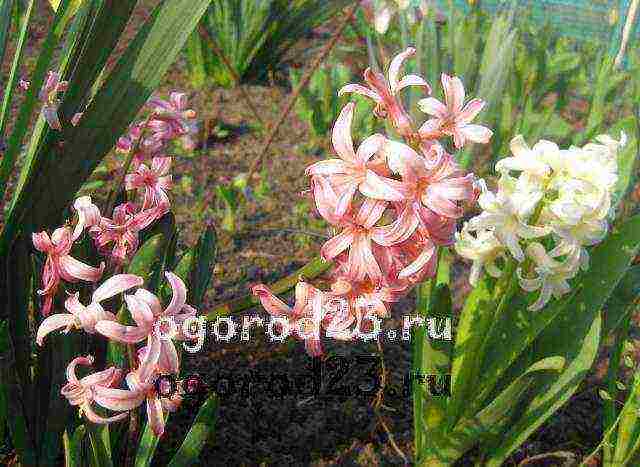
[(200, 431), (21, 124), (628, 432), (626, 157), (73, 447), (622, 301), (205, 255), (100, 445), (147, 445), (446, 448), (518, 328), (5, 24), (475, 320), (136, 75)]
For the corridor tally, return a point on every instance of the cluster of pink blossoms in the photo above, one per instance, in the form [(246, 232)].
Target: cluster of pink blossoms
[(391, 203), (116, 238)]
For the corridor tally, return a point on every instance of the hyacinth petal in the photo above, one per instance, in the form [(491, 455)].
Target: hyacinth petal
[(178, 294), (453, 93), (413, 80), (97, 419), (88, 215), (336, 245), (140, 312), (120, 332), (344, 199), (269, 301), (152, 356), (328, 167), (341, 135), (150, 299), (396, 64), (470, 110), (71, 367), (370, 212), (361, 260), (371, 145), (71, 269), (116, 285), (476, 133), (399, 230), (42, 242), (50, 114), (53, 322), (543, 298), (117, 399), (439, 204), (106, 378), (161, 165), (432, 106), (362, 90), (531, 231), (168, 360), (382, 188), (155, 415), (419, 263), (325, 198)]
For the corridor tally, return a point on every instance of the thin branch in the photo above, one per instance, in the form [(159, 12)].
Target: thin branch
[(206, 36), (626, 33), (296, 92)]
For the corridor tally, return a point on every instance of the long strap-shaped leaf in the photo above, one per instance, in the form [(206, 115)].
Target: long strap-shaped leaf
[(573, 331), (12, 81), (198, 434), (42, 65)]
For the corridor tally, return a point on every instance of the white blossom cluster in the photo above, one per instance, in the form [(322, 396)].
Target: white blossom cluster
[(550, 204)]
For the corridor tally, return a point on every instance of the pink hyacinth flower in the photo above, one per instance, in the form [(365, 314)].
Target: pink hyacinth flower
[(173, 119), (304, 318), (384, 93), (351, 172), (141, 383), (122, 231), (49, 97), (88, 215), (433, 196), (154, 322), (60, 265), (86, 317), (84, 392), (155, 181), (357, 232), (454, 117)]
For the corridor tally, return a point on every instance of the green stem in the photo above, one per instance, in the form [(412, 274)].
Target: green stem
[(311, 270), (610, 411)]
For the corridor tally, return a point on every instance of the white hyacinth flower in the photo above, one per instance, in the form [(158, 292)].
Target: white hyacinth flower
[(552, 275), (504, 217), (483, 250)]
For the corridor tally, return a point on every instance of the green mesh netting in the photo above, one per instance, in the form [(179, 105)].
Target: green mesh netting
[(600, 20)]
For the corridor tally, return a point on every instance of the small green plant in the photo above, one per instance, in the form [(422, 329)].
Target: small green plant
[(254, 37), (319, 103)]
